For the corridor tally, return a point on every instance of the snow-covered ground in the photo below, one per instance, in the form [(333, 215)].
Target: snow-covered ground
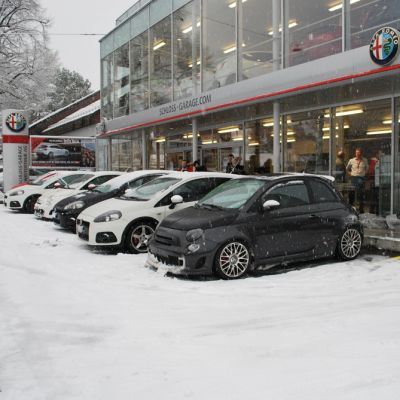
[(80, 325)]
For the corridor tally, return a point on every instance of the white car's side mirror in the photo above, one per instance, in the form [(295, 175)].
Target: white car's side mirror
[(176, 199), (271, 204)]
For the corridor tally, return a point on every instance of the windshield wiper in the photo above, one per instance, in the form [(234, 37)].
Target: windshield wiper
[(211, 206)]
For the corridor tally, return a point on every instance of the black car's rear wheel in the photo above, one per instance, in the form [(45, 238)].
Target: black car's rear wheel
[(349, 245), (138, 237), (29, 205), (232, 260)]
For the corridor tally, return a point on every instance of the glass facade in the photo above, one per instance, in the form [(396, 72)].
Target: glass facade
[(169, 52), (206, 44)]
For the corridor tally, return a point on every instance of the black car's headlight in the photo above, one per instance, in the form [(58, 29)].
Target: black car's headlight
[(17, 193), (194, 235), (76, 205), (108, 216)]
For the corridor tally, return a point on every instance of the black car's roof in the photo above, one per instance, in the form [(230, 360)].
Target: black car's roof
[(280, 175)]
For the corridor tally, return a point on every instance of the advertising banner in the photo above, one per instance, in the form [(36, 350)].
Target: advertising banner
[(62, 152), (15, 131)]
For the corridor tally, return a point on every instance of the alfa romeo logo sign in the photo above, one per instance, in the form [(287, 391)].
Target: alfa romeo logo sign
[(16, 122), (384, 45)]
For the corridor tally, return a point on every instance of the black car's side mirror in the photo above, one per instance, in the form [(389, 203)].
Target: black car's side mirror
[(176, 199), (271, 205)]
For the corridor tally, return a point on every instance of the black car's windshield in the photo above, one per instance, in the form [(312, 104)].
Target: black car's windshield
[(147, 191), (232, 194)]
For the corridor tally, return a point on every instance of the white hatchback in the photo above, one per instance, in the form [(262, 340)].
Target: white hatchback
[(23, 197), (45, 204), (130, 220)]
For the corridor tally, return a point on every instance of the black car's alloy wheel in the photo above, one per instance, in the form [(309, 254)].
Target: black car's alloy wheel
[(232, 260), (139, 236), (29, 205), (349, 245)]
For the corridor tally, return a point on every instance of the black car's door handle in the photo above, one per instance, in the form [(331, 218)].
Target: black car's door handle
[(313, 216)]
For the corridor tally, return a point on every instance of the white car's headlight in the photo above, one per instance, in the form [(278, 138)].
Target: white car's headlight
[(17, 193), (76, 205), (108, 216)]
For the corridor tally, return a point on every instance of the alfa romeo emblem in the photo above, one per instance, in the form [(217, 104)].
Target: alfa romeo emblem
[(384, 45), (16, 122)]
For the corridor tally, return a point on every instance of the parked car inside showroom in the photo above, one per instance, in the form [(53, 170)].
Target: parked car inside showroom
[(255, 223), (67, 210), (45, 204), (24, 196), (130, 220)]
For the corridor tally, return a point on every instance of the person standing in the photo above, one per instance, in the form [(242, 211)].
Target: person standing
[(357, 168), (340, 167)]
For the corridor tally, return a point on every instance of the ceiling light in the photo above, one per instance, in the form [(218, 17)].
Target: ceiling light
[(229, 49), (187, 30), (344, 127), (291, 24), (159, 45), (348, 112), (233, 5), (160, 140), (388, 122), (237, 139), (379, 132), (340, 5), (254, 144), (271, 123), (209, 141), (291, 140), (229, 129)]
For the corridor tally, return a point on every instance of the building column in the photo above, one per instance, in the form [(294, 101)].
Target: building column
[(144, 150), (276, 46), (194, 139)]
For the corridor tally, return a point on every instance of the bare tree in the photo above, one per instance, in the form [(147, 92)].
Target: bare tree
[(22, 45)]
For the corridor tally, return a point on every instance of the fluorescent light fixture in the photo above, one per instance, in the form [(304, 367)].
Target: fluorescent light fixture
[(379, 132), (388, 122), (325, 137), (291, 24), (233, 5), (229, 129), (237, 139), (340, 5), (291, 140), (159, 45), (229, 49), (187, 30), (254, 144), (327, 128), (271, 123), (160, 140), (209, 141), (348, 112)]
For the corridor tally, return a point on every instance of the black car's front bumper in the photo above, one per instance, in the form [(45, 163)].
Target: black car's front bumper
[(168, 250), (66, 220)]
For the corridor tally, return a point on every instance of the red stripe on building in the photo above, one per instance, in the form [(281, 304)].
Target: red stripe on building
[(16, 139), (255, 98)]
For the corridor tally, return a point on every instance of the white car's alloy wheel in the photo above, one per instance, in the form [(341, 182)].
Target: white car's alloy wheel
[(139, 237)]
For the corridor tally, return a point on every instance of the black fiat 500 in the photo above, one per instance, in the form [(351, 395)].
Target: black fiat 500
[(255, 223)]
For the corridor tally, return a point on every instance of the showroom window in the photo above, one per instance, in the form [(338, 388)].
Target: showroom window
[(107, 99), (314, 30), (140, 72), (306, 142), (160, 63), (367, 128), (121, 81), (219, 43), (186, 36), (255, 38), (368, 16)]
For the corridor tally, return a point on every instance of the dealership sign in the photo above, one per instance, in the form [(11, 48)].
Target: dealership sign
[(384, 45), (15, 148)]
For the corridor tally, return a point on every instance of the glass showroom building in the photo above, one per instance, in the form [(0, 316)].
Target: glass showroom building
[(284, 82)]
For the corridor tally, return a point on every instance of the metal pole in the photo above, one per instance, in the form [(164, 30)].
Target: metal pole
[(393, 157)]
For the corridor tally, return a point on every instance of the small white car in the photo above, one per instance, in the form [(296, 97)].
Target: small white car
[(23, 197), (130, 220), (50, 150), (44, 206)]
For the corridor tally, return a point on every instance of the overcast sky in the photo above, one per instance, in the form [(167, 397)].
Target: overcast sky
[(82, 53)]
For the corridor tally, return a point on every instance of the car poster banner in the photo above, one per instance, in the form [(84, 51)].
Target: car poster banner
[(62, 152)]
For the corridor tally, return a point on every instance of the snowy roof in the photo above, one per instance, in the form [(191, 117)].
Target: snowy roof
[(59, 110), (82, 112)]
